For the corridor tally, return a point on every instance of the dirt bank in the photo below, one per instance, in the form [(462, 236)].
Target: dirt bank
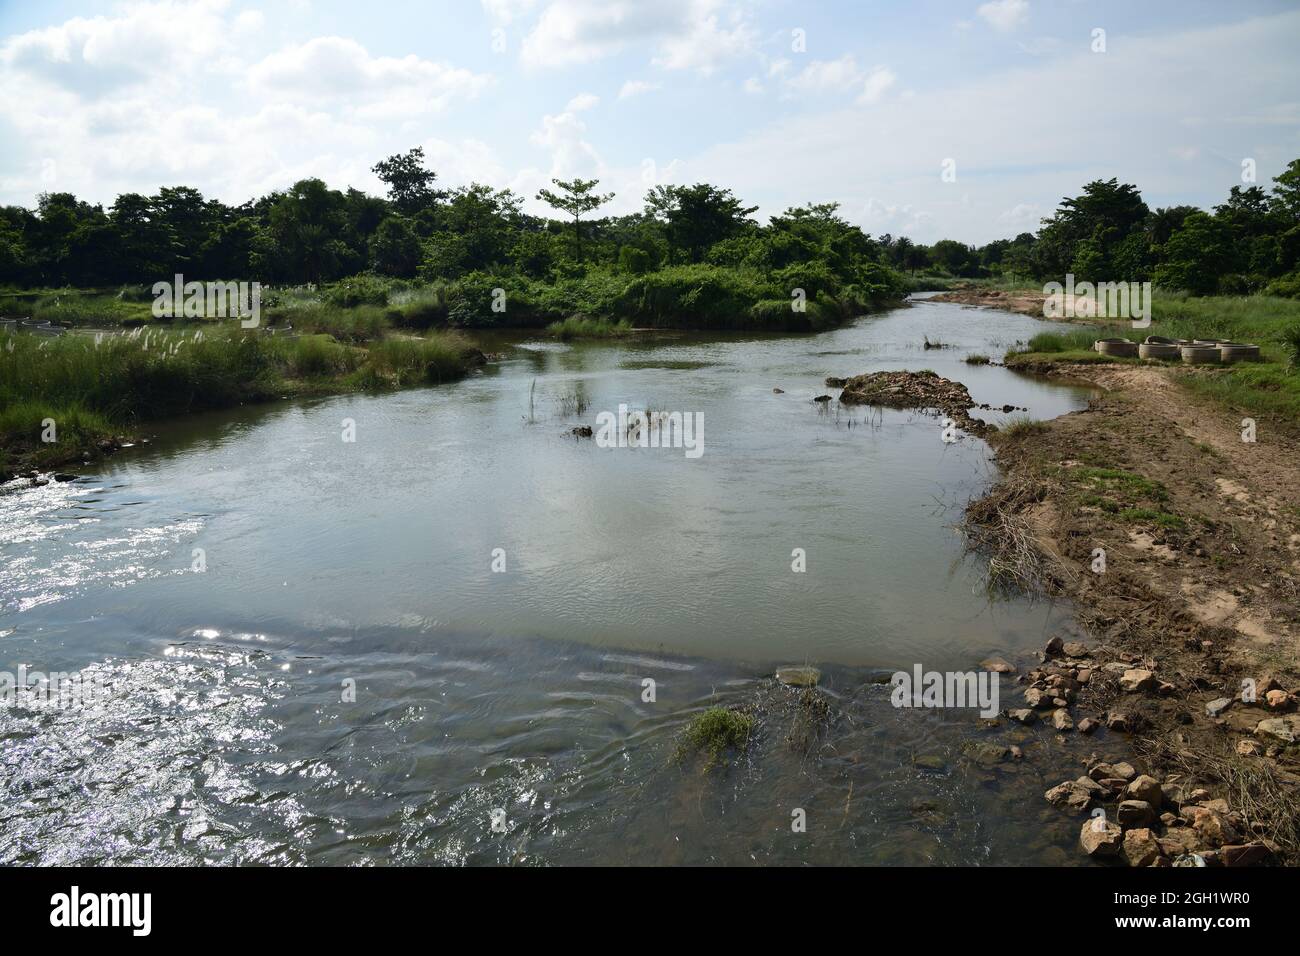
[(1179, 545), (1023, 301)]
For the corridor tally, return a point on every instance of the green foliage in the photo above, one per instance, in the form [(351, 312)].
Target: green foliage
[(584, 327), (715, 731), (357, 290)]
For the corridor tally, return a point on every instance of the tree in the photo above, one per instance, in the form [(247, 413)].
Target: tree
[(395, 248), (410, 185), (1196, 256), (577, 199), (696, 217)]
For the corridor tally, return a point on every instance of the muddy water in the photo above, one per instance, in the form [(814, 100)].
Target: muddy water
[(231, 731)]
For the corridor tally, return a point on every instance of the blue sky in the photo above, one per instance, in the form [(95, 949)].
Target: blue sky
[(785, 102)]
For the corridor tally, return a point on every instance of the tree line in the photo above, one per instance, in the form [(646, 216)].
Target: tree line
[(421, 230)]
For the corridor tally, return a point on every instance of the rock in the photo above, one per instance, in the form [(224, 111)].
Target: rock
[(1135, 681), (1140, 847), (1084, 675), (997, 665), (1117, 722), (1121, 771), (1054, 647), (1176, 842), (1249, 748), (1069, 794), (1217, 706), (778, 391), (1023, 715), (1135, 813), (1037, 697), (930, 762), (822, 398), (1168, 819), (1275, 699), (1092, 788), (1088, 725), (1061, 719), (59, 476), (1146, 788), (1248, 854), (1283, 729), (798, 675), (1100, 837), (1076, 649), (1210, 825), (833, 382), (582, 431)]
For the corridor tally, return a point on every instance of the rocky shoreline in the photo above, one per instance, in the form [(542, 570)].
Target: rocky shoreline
[(1179, 546)]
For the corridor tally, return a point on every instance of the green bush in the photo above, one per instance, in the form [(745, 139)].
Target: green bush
[(358, 290)]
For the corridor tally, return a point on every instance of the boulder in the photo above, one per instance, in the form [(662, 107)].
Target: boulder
[(1117, 722), (1135, 813), (1069, 795), (798, 675), (1136, 681), (1140, 847), (1282, 729), (1076, 649), (1088, 725), (1247, 854), (1023, 715), (1054, 647), (997, 665), (1100, 837), (1145, 788), (1210, 826), (1061, 719)]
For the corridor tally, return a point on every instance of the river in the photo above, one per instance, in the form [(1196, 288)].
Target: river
[(431, 644)]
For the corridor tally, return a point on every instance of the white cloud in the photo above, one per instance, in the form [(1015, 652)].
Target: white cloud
[(841, 76), (505, 12), (822, 76), (753, 85), (636, 88), (337, 69), (687, 34), (876, 84), (1005, 15), (583, 101)]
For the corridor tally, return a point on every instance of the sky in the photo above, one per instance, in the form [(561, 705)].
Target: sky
[(866, 103)]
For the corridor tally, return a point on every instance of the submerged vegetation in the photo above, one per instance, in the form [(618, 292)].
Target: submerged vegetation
[(715, 731)]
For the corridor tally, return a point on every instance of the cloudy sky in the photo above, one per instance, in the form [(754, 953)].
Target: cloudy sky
[(784, 101)]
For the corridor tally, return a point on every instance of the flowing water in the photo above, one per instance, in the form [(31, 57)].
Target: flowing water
[(433, 643)]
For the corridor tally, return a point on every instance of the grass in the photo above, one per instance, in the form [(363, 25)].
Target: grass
[(977, 359), (1023, 426), (1270, 388), (716, 730), (583, 327), (95, 387)]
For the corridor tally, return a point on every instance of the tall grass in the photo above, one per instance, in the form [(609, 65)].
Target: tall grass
[(583, 327), (93, 385)]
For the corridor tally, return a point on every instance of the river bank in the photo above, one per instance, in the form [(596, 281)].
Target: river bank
[(74, 399), (1179, 545)]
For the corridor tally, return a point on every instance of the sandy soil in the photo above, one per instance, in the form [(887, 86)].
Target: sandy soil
[(1201, 582)]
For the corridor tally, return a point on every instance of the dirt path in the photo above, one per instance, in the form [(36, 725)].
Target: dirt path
[(1198, 533)]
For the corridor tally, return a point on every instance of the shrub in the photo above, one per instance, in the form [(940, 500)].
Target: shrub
[(358, 290)]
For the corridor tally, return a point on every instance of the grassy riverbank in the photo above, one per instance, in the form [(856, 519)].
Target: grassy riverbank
[(97, 389), (1267, 388)]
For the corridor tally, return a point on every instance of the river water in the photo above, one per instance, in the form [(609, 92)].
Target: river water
[(432, 643)]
